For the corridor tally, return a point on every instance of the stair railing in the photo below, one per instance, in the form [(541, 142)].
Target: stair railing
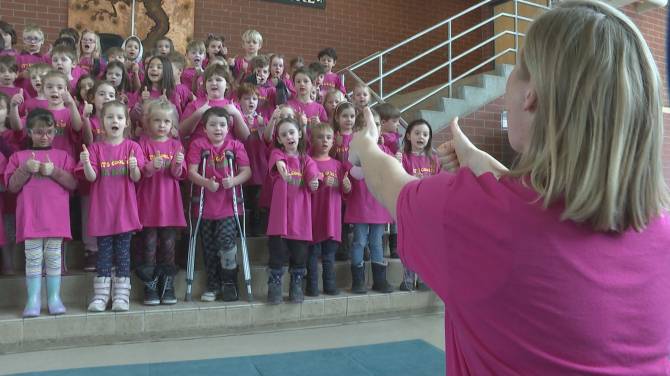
[(384, 72)]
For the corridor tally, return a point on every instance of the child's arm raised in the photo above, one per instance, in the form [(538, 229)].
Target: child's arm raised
[(75, 118), (240, 126), (85, 158), (187, 126), (14, 117), (270, 129), (87, 128)]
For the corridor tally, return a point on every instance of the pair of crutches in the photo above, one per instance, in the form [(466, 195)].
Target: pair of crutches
[(193, 230)]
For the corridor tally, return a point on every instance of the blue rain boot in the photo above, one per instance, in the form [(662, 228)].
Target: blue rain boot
[(54, 302), (34, 303)]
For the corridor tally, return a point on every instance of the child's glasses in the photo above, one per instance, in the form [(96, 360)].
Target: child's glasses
[(43, 132), (32, 39)]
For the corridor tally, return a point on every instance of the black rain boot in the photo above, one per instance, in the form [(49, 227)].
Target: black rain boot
[(229, 285), (407, 283), (312, 278), (393, 246), (328, 273), (358, 279), (379, 282), (274, 286), (295, 293), (166, 284), (147, 274)]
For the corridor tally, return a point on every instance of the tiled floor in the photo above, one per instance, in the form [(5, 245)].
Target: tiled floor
[(429, 328)]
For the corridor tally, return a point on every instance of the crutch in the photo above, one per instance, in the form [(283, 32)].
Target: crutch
[(193, 231), (230, 157)]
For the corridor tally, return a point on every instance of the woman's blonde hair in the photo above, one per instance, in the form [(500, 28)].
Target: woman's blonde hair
[(597, 130)]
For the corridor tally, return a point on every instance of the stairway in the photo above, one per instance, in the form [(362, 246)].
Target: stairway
[(190, 319)]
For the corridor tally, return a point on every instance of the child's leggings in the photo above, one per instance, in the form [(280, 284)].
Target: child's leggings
[(39, 249), (280, 249), (218, 241), (116, 249), (161, 239)]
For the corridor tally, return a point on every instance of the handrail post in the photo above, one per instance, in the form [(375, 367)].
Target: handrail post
[(381, 76), (516, 31), (450, 62)]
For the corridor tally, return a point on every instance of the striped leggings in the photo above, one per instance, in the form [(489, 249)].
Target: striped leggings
[(44, 248)]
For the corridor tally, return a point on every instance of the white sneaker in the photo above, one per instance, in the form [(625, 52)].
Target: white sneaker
[(208, 296), (101, 294), (121, 294)]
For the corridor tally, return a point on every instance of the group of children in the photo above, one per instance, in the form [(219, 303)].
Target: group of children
[(122, 133)]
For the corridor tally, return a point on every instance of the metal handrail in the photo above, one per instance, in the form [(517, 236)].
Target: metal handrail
[(382, 73)]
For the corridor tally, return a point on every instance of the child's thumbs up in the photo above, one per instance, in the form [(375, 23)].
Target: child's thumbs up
[(33, 165), (21, 92), (132, 161), (84, 156), (47, 168), (158, 160)]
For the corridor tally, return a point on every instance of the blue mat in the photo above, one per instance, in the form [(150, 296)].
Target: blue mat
[(416, 358)]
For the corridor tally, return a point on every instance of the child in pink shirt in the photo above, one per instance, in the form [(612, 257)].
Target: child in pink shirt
[(90, 53), (195, 52), (420, 161), (343, 120), (369, 218), (63, 59), (326, 212), (328, 58), (42, 178), (266, 90), (7, 231), (294, 176), (309, 111), (112, 166), (159, 202), (280, 79), (36, 73), (132, 59), (164, 46), (8, 73), (215, 49), (8, 35), (33, 38), (117, 76), (252, 42), (219, 229), (330, 101)]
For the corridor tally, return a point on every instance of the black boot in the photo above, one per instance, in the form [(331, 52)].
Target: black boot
[(393, 246), (295, 293), (312, 278), (274, 286), (379, 282), (358, 279), (229, 285), (328, 273), (147, 274), (407, 283), (166, 284)]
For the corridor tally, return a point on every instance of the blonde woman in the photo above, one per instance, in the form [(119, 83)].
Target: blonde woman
[(560, 265)]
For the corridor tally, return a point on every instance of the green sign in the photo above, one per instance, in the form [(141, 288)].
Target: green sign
[(320, 4)]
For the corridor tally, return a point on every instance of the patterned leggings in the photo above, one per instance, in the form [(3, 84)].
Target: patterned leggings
[(218, 241), (37, 249), (161, 239), (114, 248)]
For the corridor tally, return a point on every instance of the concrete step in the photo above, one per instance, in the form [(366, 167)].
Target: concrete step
[(77, 287), (196, 319)]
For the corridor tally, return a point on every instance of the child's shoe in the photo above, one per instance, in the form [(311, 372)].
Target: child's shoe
[(147, 274), (229, 285), (54, 302), (101, 286), (274, 286), (34, 303), (121, 294), (208, 296), (358, 279), (295, 293), (379, 282), (166, 284)]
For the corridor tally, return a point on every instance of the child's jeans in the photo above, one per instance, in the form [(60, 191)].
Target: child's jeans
[(370, 235)]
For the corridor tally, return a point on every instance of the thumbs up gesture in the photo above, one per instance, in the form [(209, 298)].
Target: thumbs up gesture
[(330, 181), (32, 164), (314, 185), (88, 110), (132, 161), (179, 157), (164, 95), (67, 99), (17, 99), (84, 156), (212, 185), (47, 168), (158, 160), (346, 183), (145, 94)]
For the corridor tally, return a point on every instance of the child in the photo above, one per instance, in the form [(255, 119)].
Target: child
[(159, 82), (116, 54), (178, 65), (164, 46), (343, 120), (330, 101), (318, 73), (63, 60), (113, 166), (7, 232), (8, 73), (42, 178), (90, 53), (218, 227), (328, 59), (390, 119), (84, 84), (294, 176), (326, 212), (33, 38), (369, 218), (8, 35), (257, 150), (308, 111), (281, 79), (198, 88), (159, 202), (252, 42), (217, 78), (418, 160), (133, 79), (195, 52), (266, 91), (133, 50), (36, 73), (215, 48), (361, 96), (116, 75)]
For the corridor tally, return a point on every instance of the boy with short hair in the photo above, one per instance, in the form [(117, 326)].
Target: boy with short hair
[(328, 58)]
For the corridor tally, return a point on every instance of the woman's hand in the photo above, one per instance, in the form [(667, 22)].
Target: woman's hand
[(364, 138)]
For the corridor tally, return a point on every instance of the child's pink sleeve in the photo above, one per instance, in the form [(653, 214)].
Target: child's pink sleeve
[(275, 156), (193, 155), (241, 156), (311, 170)]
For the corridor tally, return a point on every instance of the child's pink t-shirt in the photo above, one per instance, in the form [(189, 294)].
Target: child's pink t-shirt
[(87, 64), (3, 165), (332, 81), (219, 204), (113, 208), (392, 141), (32, 103), (310, 109), (258, 152), (65, 136), (16, 140), (327, 202), (362, 206), (527, 293), (199, 130), (238, 68), (10, 91), (24, 60), (43, 205), (341, 146), (158, 195), (187, 77), (420, 166), (291, 205)]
